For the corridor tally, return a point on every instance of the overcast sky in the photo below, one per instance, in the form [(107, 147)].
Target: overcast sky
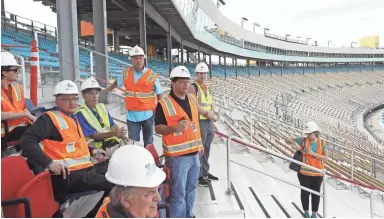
[(341, 21)]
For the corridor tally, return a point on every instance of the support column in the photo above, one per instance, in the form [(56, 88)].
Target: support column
[(68, 44), (143, 29), (198, 55), (169, 49), (235, 66), (101, 39), (219, 60), (225, 67), (116, 41), (182, 52), (2, 8), (187, 56), (210, 66), (249, 69)]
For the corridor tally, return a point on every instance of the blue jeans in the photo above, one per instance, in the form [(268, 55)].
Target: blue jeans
[(134, 129), (185, 172)]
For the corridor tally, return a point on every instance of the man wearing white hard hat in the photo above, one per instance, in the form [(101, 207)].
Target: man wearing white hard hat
[(315, 154), (136, 177), (95, 120), (206, 119), (143, 91), (177, 120), (56, 142), (13, 109)]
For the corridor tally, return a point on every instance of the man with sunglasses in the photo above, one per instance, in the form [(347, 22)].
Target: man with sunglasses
[(13, 109), (143, 91), (95, 120), (56, 142)]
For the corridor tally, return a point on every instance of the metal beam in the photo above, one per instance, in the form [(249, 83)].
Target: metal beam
[(121, 4), (143, 29), (113, 15)]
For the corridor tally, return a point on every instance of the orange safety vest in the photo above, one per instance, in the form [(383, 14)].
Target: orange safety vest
[(180, 143), (103, 212), (139, 96), (16, 106), (312, 161), (73, 151)]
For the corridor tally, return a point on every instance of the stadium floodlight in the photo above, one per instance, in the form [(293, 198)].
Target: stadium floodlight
[(255, 25), (308, 38), (286, 36), (243, 19)]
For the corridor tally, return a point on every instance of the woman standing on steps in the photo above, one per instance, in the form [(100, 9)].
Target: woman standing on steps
[(315, 154)]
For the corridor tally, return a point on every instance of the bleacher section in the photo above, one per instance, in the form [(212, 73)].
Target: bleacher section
[(49, 61)]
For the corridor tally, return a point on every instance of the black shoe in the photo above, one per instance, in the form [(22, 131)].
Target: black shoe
[(202, 182), (212, 177)]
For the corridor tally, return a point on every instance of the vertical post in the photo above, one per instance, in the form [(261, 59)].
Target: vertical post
[(210, 66), (68, 35), (249, 70), (34, 72), (198, 54), (143, 28), (187, 56), (91, 61), (325, 197), (371, 203), (182, 52), (116, 41), (169, 48), (225, 67), (352, 169), (2, 8), (229, 188), (101, 41)]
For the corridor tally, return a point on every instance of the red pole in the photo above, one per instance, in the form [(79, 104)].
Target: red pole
[(34, 66)]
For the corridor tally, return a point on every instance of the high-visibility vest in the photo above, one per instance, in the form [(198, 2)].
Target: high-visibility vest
[(205, 99), (73, 150), (139, 96), (180, 143), (310, 160), (95, 123), (16, 106), (103, 212)]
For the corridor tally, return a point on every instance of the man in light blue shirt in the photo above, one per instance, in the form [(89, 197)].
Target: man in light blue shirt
[(141, 85)]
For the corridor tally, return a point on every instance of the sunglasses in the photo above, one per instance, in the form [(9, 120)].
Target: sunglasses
[(65, 99)]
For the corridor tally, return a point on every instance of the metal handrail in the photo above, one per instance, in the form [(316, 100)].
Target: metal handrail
[(283, 124)]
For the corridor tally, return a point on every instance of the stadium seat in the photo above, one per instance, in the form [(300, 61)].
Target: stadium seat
[(25, 195)]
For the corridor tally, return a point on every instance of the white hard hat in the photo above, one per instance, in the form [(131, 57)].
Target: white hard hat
[(202, 67), (66, 87), (136, 51), (90, 83), (133, 165), (310, 127), (180, 72), (7, 59)]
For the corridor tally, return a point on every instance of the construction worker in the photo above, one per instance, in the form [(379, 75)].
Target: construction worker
[(177, 120), (141, 85), (206, 119), (95, 120), (56, 142), (136, 177), (315, 154), (13, 108)]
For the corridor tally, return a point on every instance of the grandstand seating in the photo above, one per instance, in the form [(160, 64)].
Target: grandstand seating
[(49, 61), (334, 101)]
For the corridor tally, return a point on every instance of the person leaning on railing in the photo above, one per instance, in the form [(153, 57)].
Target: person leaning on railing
[(315, 154)]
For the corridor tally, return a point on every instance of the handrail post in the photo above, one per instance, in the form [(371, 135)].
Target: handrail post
[(325, 212), (371, 203), (352, 169), (229, 189)]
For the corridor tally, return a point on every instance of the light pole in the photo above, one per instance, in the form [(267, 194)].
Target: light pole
[(329, 42), (265, 30), (286, 36), (255, 25), (243, 19), (308, 38)]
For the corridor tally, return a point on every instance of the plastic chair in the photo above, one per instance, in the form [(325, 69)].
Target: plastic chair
[(35, 110), (10, 147), (23, 194)]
